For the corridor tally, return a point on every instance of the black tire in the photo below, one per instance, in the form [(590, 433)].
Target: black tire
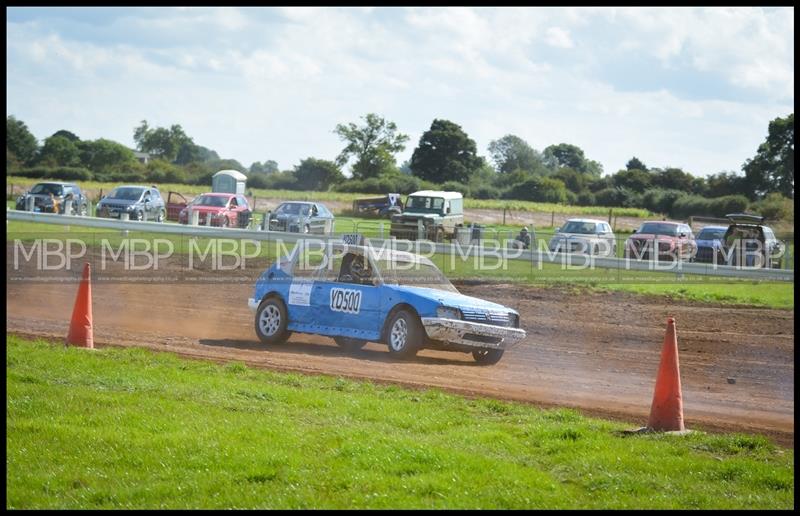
[(272, 329), (162, 215), (224, 222), (404, 334), (84, 210), (140, 215), (349, 344), (486, 356), (306, 229)]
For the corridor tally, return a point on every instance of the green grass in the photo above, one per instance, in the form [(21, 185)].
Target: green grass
[(299, 195), (132, 428), (686, 287)]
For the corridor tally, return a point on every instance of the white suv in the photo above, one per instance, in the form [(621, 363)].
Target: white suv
[(584, 236)]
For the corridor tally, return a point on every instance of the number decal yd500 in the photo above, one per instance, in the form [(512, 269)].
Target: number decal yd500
[(345, 300)]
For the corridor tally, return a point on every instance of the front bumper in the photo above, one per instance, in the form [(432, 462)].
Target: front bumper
[(473, 334)]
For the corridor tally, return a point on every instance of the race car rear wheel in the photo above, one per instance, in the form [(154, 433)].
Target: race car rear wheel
[(271, 321), (349, 344), (404, 334), (485, 356)]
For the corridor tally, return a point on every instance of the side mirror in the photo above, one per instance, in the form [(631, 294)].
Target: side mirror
[(558, 229), (683, 235), (634, 230)]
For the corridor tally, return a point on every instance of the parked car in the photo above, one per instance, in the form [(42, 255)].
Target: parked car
[(666, 240), (709, 245), (382, 206), (52, 197), (302, 217), (439, 213), (139, 202), (584, 236), (748, 242), (218, 209), (359, 294)]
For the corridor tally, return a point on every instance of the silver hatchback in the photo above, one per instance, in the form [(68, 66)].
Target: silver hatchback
[(584, 236)]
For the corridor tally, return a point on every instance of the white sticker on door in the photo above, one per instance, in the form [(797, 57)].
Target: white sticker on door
[(300, 292), (345, 300)]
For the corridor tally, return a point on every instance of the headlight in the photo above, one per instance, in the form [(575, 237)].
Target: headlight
[(513, 320), (448, 312)]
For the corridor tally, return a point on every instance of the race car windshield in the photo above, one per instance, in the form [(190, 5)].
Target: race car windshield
[(126, 193), (583, 228), (293, 209), (210, 200), (47, 189), (711, 234), (413, 274), (654, 228), (427, 204)]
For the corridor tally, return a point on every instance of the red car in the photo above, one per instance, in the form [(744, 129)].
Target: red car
[(218, 209), (669, 239)]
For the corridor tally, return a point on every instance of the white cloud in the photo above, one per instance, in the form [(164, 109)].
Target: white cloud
[(558, 37), (254, 86)]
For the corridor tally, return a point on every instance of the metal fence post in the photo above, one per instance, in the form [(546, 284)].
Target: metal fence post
[(420, 230), (29, 203)]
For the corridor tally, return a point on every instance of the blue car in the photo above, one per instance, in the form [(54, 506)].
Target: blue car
[(709, 245), (358, 294)]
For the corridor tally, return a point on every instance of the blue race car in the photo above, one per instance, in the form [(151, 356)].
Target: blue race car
[(358, 294)]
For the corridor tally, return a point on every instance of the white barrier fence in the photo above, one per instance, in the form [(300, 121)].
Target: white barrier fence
[(573, 260)]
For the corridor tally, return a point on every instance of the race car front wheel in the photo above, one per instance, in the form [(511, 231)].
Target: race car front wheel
[(271, 321), (404, 334), (485, 356)]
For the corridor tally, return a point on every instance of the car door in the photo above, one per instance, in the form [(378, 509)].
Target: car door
[(346, 307), (175, 203)]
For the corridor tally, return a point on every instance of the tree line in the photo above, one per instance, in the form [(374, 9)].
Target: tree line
[(445, 158)]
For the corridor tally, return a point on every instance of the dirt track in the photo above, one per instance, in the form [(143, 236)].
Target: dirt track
[(595, 352)]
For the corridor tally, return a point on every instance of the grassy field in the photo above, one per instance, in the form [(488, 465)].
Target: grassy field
[(299, 195), (686, 287), (131, 428)]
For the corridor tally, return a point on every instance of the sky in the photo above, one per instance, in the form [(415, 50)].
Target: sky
[(684, 87)]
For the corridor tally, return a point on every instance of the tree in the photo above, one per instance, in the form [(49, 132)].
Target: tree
[(167, 144), (511, 153), (68, 135), (574, 180), (20, 141), (726, 183), (635, 164), (103, 155), (635, 179), (59, 151), (540, 189), (445, 152), (268, 167), (317, 174), (772, 168), (572, 156), (373, 146), (672, 179)]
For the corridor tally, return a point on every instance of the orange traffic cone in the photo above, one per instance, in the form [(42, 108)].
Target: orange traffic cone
[(666, 412), (80, 327)]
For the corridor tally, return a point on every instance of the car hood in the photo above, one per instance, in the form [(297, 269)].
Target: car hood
[(43, 196), (206, 209), (574, 236), (121, 202), (455, 299), (286, 216), (709, 243), (650, 236)]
